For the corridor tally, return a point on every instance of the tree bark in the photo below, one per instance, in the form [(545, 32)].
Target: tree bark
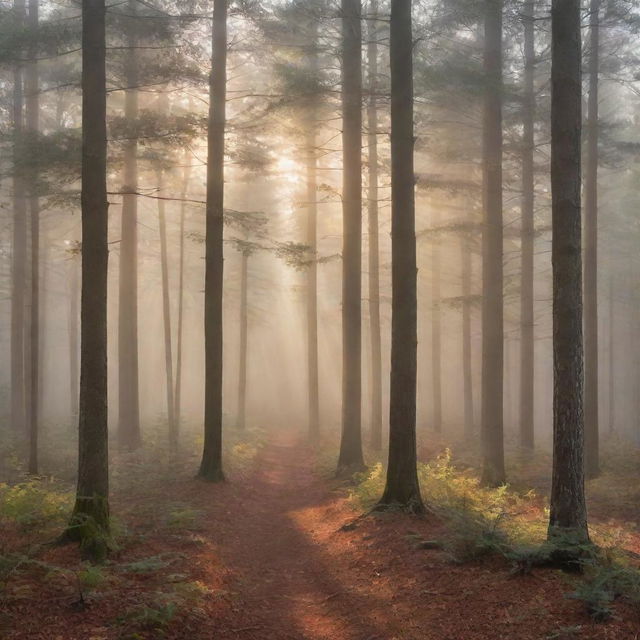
[(19, 251), (351, 441), (374, 250), (402, 488), (166, 316), (527, 236), (612, 377), (436, 329), (244, 322), (312, 242), (183, 205), (74, 312), (32, 103), (90, 519), (493, 472), (592, 464), (568, 514), (129, 436), (211, 465), (467, 355)]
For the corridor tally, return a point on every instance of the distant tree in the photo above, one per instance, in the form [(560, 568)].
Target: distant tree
[(493, 472), (351, 457), (568, 515), (373, 225), (32, 120), (19, 244), (129, 436), (211, 465), (591, 404), (527, 233), (90, 519), (402, 488)]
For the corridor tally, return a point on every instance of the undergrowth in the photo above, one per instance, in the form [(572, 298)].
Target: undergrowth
[(482, 521)]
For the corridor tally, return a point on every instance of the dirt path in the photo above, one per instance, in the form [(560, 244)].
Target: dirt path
[(290, 585)]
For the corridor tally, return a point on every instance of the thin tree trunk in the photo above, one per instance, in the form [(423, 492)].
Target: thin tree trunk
[(467, 355), (374, 251), (179, 346), (568, 515), (493, 472), (32, 100), (19, 252), (129, 436), (592, 464), (166, 316), (351, 441), (402, 488), (74, 312), (436, 330), (211, 465), (312, 242), (244, 322), (90, 519), (527, 236), (612, 333)]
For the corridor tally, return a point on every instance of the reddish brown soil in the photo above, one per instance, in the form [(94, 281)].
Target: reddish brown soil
[(270, 548)]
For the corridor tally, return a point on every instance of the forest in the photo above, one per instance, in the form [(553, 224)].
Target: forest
[(320, 319)]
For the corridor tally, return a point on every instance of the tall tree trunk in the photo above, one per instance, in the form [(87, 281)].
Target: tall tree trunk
[(19, 251), (211, 465), (592, 464), (166, 315), (32, 99), (568, 510), (402, 488), (374, 250), (527, 236), (493, 472), (74, 312), (312, 242), (612, 377), (244, 322), (351, 441), (467, 355), (129, 436), (90, 519), (436, 329), (179, 347)]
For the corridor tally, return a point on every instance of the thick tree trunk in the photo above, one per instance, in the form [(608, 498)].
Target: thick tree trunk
[(467, 355), (90, 519), (129, 436), (592, 464), (32, 100), (312, 242), (568, 510), (351, 441), (244, 326), (211, 465), (402, 488), (493, 472), (527, 236), (374, 250), (19, 253), (436, 329), (166, 316), (183, 205)]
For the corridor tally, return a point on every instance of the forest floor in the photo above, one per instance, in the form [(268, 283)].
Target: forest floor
[(265, 556)]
